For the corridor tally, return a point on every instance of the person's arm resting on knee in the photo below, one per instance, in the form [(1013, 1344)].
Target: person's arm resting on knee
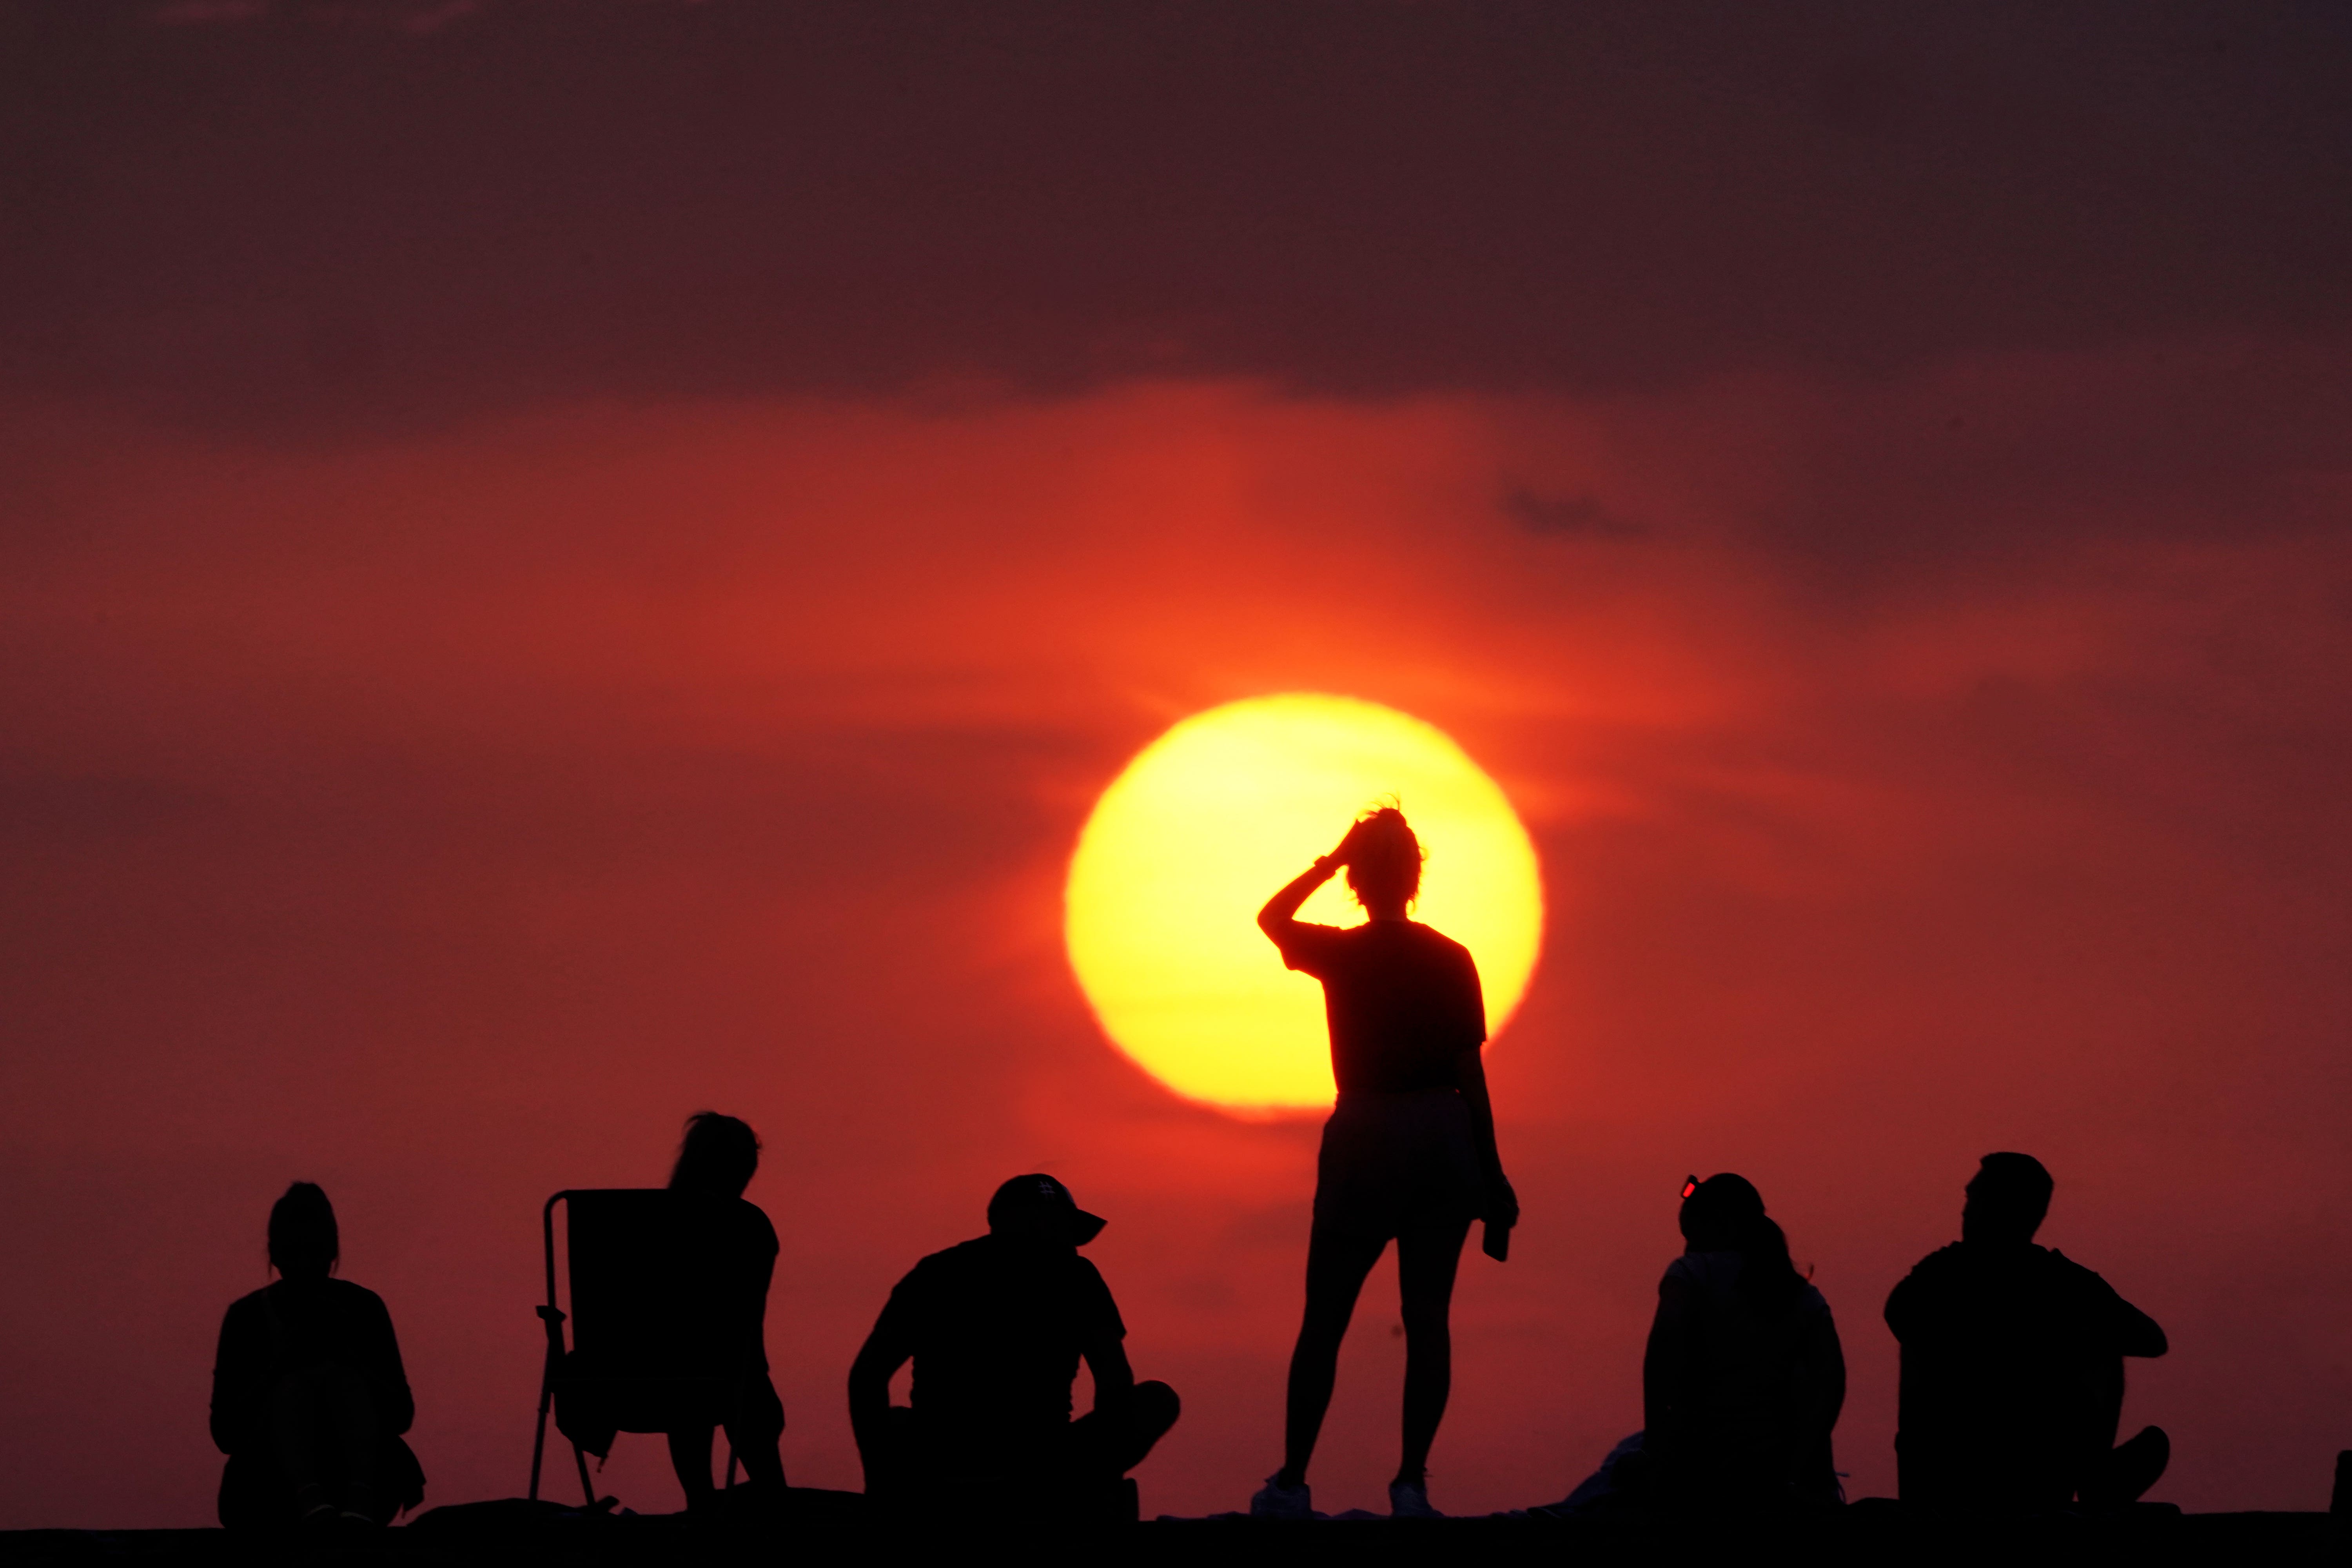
[(878, 1360)]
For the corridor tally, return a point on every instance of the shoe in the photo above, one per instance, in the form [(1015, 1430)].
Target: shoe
[(1410, 1499), (1275, 1501)]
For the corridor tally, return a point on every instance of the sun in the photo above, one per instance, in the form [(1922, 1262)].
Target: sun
[(1160, 911)]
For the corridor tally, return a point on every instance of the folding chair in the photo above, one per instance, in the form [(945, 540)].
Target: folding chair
[(630, 1365)]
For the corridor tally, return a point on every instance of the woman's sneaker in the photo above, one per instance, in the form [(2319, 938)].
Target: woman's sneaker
[(1275, 1501), (1410, 1499)]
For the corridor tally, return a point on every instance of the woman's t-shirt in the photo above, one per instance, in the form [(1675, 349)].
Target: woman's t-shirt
[(1403, 1001), (726, 1259), (1757, 1394), (294, 1325)]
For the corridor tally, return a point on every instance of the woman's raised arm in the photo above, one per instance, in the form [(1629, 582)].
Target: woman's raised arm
[(1283, 907)]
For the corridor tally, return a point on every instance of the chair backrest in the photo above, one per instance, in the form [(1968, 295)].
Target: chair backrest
[(637, 1277)]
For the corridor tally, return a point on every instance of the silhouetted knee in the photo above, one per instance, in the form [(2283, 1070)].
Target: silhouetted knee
[(1156, 1410), (2124, 1475), (1319, 1338), (1106, 1444), (1427, 1330)]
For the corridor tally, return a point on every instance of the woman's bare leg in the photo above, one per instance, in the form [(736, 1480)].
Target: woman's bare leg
[(1336, 1268), (1426, 1261), (690, 1456)]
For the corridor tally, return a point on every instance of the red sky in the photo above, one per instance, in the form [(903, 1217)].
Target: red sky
[(564, 564)]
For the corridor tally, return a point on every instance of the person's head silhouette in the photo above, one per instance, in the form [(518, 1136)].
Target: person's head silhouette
[(303, 1241), (2008, 1198), (1725, 1213), (1384, 860), (1720, 1214), (719, 1157), (1036, 1213)]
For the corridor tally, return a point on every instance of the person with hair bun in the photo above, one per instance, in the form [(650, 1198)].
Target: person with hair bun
[(1743, 1377), (1409, 1151), (310, 1398)]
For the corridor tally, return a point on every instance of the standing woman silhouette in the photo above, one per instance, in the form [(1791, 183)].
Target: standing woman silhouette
[(730, 1251), (1409, 1151)]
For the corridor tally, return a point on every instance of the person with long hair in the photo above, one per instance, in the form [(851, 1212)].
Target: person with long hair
[(1408, 1154), (732, 1249), (310, 1398), (1743, 1377)]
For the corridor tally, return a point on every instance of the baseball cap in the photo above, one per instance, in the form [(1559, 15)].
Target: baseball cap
[(1036, 1192)]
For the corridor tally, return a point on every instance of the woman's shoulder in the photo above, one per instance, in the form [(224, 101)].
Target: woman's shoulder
[(1437, 943), (248, 1308), (1707, 1271), (754, 1221), (350, 1297)]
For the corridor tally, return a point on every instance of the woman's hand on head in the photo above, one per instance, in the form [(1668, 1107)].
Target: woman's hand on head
[(1347, 840)]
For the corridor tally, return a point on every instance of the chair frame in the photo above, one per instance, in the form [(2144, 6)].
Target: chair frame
[(554, 1317)]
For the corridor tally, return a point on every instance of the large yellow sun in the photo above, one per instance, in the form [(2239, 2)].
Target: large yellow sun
[(1210, 820)]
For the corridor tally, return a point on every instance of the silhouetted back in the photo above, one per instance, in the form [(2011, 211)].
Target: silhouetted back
[(2011, 1366), (2013, 1362), (996, 1334), (310, 1397), (667, 1283), (1744, 1376), (1403, 1001)]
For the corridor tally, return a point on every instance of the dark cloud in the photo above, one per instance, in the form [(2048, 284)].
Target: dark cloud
[(1579, 516), (405, 211), (442, 813)]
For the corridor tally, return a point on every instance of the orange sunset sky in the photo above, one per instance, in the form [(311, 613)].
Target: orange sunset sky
[(562, 564)]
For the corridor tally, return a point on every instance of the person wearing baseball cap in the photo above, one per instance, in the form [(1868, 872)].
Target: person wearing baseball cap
[(997, 1327)]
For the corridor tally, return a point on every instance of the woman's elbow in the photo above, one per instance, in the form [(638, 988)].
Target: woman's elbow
[(869, 1381)]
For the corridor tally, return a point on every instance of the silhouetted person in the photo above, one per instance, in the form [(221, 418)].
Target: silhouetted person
[(995, 1328), (1744, 1377), (308, 1395), (1409, 1151), (2012, 1365), (732, 1249)]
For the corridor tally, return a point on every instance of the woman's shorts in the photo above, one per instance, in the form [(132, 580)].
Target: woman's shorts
[(1393, 1163)]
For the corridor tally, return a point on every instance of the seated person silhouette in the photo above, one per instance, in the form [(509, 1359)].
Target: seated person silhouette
[(995, 1328), (308, 1395), (730, 1250), (2012, 1365), (1744, 1377)]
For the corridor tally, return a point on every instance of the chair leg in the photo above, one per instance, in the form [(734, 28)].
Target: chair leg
[(539, 1439), (587, 1487), (730, 1466)]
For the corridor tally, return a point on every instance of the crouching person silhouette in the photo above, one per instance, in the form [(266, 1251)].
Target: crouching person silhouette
[(310, 1399), (1744, 1378), (2012, 1365), (995, 1328)]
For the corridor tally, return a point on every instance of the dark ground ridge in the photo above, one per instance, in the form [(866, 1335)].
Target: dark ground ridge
[(834, 1527)]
